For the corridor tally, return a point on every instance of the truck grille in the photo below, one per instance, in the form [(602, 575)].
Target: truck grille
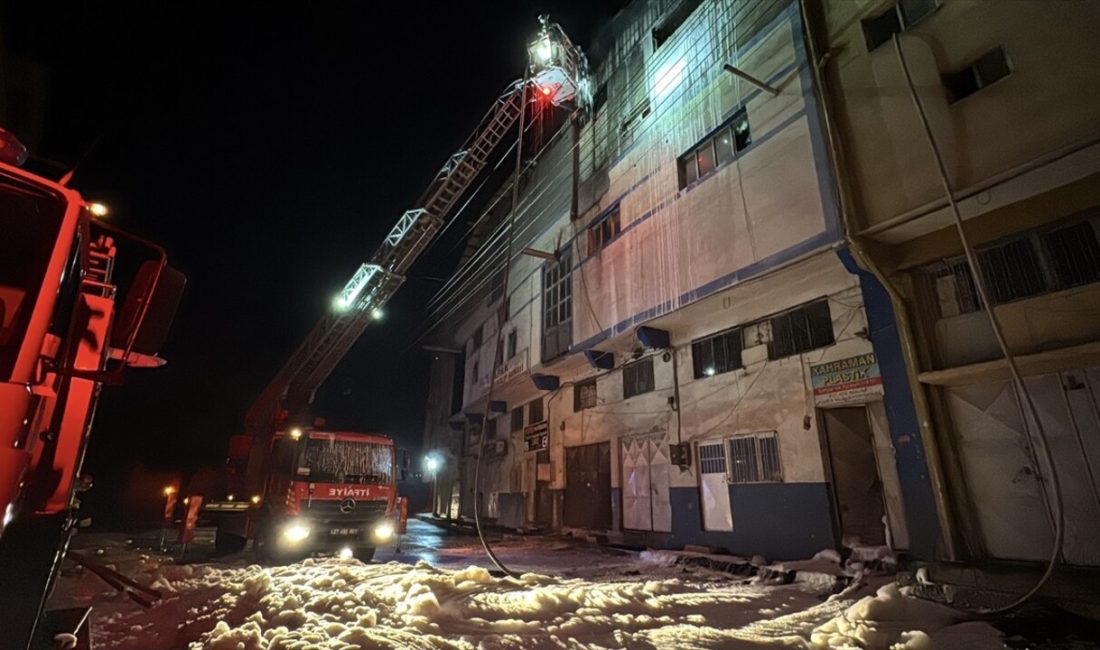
[(364, 510)]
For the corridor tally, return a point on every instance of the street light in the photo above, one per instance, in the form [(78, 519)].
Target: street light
[(432, 464)]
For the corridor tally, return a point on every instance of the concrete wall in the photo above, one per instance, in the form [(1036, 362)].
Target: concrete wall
[(1046, 105)]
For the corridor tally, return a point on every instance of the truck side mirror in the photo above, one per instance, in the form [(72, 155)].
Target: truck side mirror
[(162, 294)]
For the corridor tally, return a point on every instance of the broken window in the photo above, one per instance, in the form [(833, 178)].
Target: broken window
[(584, 395)]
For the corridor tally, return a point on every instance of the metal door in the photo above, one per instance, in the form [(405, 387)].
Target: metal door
[(588, 486), (646, 504), (855, 477), (714, 486)]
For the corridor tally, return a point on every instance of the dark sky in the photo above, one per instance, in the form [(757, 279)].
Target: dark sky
[(268, 150)]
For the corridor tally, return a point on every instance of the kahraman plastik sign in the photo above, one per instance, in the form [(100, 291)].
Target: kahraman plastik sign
[(854, 380)]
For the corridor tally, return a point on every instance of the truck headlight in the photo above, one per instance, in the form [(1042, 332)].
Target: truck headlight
[(295, 532), (383, 531)]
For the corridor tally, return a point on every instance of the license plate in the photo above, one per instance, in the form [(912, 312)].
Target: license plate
[(343, 532)]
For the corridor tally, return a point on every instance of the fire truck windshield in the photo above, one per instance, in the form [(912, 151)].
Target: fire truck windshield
[(346, 461), (29, 220)]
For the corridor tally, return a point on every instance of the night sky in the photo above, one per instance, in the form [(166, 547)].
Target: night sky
[(268, 150)]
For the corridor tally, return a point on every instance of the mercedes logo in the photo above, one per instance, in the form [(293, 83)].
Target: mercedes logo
[(347, 505)]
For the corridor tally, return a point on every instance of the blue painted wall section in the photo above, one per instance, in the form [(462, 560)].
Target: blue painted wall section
[(781, 521), (916, 489)]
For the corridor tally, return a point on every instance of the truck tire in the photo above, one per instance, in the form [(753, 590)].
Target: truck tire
[(363, 553), (226, 543), (31, 552)]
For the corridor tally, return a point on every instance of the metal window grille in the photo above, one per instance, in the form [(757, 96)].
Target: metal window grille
[(584, 395), (716, 354), (1012, 270), (535, 412), (755, 458), (712, 458), (807, 328), (1074, 254), (638, 378), (955, 288)]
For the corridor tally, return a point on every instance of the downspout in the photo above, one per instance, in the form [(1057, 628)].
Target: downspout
[(901, 315)]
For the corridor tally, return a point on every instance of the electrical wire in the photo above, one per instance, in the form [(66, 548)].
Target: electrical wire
[(1023, 393), (499, 342)]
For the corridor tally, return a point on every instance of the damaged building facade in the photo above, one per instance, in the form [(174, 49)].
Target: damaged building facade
[(1007, 97), (687, 351)]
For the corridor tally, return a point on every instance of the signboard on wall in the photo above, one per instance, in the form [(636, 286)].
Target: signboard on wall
[(536, 437), (854, 380)]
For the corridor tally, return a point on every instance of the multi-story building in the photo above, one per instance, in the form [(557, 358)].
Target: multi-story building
[(686, 356), (1009, 95)]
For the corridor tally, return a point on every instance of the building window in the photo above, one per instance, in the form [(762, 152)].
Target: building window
[(903, 15), (584, 395), (717, 353), (1074, 253), (517, 419), (755, 459), (534, 411), (557, 306), (955, 288), (1038, 262), (512, 340), (638, 377), (476, 340), (712, 458), (987, 70), (474, 373), (807, 328), (718, 149), (667, 26), (599, 98), (1012, 271), (605, 229), (490, 429)]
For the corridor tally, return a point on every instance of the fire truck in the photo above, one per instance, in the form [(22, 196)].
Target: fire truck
[(293, 489), (80, 301)]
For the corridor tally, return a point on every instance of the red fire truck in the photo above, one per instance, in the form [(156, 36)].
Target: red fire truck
[(80, 300), (325, 491)]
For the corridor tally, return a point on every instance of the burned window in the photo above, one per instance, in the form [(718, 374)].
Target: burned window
[(603, 230), (716, 354), (638, 377), (718, 149), (584, 395), (671, 21)]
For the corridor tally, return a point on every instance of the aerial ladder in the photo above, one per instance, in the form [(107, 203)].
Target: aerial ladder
[(557, 73)]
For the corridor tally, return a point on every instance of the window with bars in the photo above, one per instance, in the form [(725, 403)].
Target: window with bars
[(712, 458), (807, 328), (720, 148), (535, 412), (717, 353), (638, 377), (755, 458), (1040, 261), (605, 229), (584, 395), (557, 306)]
